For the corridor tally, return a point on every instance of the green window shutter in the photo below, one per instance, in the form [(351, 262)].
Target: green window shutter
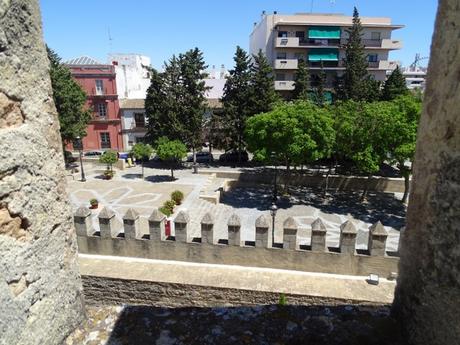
[(324, 32), (323, 54)]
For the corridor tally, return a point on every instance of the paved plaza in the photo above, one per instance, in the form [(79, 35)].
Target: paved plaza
[(128, 190)]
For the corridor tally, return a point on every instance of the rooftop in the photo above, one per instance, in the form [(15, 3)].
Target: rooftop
[(83, 60)]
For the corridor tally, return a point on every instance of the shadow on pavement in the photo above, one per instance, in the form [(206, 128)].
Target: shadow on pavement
[(261, 324)]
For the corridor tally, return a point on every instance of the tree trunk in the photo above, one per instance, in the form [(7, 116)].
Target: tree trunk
[(194, 155), (142, 169), (406, 187), (287, 177), (172, 172), (366, 188), (326, 185), (239, 150)]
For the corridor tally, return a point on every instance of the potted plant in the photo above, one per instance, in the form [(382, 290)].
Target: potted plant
[(108, 174), (177, 196), (94, 203)]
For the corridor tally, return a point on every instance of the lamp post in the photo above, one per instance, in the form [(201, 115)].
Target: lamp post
[(275, 190), (273, 210), (80, 149)]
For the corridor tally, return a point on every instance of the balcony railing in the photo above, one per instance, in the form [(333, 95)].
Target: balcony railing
[(287, 85)]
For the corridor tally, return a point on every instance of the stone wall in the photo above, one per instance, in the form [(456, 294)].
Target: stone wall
[(428, 292), (334, 182), (228, 248), (40, 288)]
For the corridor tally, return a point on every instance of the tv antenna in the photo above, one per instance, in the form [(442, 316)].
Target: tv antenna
[(110, 40)]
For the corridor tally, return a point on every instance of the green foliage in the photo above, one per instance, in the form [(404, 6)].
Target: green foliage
[(320, 99), (298, 132), (168, 207), (394, 86), (302, 82), (69, 99), (109, 157), (263, 94), (236, 99), (108, 174), (166, 211), (93, 201), (282, 300), (170, 150), (356, 84), (177, 196), (175, 102), (141, 151)]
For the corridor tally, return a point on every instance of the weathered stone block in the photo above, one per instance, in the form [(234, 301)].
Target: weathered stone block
[(234, 233), (106, 223), (157, 225), (207, 226), (262, 231), (181, 226), (318, 236), (348, 235), (131, 224), (82, 221), (377, 239)]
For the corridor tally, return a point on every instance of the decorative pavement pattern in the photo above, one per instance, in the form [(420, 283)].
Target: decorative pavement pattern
[(128, 190)]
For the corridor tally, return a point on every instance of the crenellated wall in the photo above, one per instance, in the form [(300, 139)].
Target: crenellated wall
[(229, 249)]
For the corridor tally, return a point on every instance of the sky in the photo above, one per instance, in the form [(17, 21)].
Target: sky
[(160, 29)]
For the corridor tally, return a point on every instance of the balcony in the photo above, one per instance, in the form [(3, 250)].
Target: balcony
[(286, 64), (287, 42), (391, 44), (96, 92), (284, 85), (380, 65)]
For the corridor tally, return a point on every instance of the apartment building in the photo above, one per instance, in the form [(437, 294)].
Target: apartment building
[(99, 83), (318, 39), (415, 77)]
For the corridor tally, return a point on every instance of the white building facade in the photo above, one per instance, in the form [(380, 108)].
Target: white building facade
[(133, 80), (318, 39), (133, 122), (415, 77)]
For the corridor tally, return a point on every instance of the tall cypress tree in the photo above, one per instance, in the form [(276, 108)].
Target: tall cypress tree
[(235, 101), (319, 90), (194, 100), (263, 93), (355, 78), (302, 82), (394, 86), (154, 105), (69, 99)]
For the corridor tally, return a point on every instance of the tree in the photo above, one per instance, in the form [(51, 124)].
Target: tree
[(319, 89), (302, 82), (355, 80), (363, 132), (142, 152), (69, 99), (404, 135), (291, 133), (235, 101), (175, 102), (109, 157), (263, 93), (172, 151), (194, 101), (394, 86)]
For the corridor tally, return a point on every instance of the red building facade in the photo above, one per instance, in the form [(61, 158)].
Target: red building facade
[(99, 83)]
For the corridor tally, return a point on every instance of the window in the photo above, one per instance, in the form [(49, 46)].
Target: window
[(299, 56), (375, 36), (373, 58), (99, 87), (281, 55), (102, 109), (282, 34), (139, 119), (105, 140), (280, 76), (300, 34)]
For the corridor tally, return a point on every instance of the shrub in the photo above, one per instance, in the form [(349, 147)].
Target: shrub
[(283, 300), (93, 201), (177, 196), (108, 174), (166, 211), (169, 205)]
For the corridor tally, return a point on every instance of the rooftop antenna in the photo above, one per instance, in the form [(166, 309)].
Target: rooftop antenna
[(110, 41)]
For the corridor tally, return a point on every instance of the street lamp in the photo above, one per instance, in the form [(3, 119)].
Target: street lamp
[(275, 191), (80, 149), (273, 210)]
